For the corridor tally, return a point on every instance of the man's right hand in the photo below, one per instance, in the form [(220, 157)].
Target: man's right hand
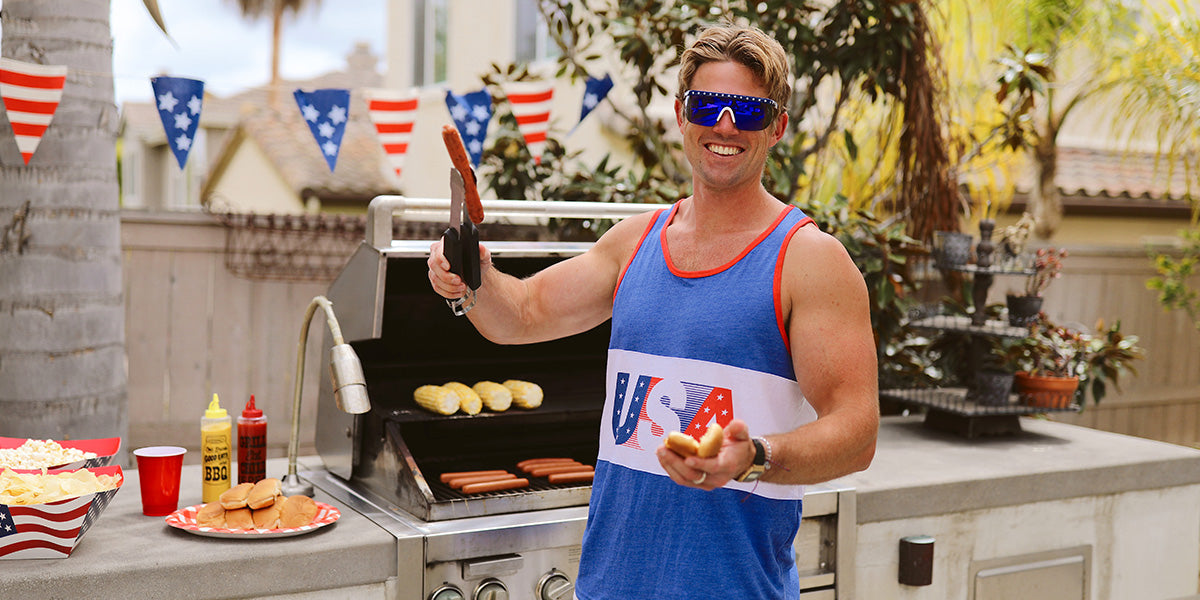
[(447, 284)]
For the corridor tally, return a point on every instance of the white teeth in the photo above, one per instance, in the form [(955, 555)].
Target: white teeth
[(723, 150)]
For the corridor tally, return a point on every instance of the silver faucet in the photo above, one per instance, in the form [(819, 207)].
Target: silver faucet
[(349, 387)]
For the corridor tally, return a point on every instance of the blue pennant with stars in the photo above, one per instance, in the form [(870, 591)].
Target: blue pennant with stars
[(471, 113), (326, 112), (594, 90), (179, 101)]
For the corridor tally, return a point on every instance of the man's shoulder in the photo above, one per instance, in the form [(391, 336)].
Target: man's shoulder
[(812, 248)]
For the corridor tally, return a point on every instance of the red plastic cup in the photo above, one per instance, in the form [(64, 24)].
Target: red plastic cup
[(159, 474)]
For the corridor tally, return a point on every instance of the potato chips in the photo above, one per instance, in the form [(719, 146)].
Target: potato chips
[(40, 488)]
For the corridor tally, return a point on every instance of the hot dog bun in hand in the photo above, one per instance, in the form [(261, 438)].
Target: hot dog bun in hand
[(707, 447)]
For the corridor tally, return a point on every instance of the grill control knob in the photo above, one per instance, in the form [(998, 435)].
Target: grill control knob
[(447, 592), (555, 586), (491, 589)]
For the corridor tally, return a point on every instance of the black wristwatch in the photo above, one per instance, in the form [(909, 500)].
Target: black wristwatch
[(759, 465)]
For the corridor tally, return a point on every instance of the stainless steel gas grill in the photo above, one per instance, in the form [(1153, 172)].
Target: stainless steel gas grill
[(386, 463)]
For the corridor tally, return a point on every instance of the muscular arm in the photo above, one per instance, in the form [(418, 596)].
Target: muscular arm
[(566, 298), (833, 353)]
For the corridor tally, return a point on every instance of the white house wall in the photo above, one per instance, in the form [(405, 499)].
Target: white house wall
[(256, 184)]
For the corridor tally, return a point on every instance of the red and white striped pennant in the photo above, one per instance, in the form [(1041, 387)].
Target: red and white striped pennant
[(393, 114), (530, 102), (31, 93)]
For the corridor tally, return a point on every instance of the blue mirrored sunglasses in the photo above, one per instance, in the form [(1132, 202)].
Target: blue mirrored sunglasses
[(750, 113)]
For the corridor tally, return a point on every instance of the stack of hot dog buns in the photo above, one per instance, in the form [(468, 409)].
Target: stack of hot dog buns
[(257, 506)]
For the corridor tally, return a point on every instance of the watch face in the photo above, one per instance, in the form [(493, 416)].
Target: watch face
[(754, 474)]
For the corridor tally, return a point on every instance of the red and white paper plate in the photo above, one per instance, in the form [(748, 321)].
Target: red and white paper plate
[(185, 519), (104, 449)]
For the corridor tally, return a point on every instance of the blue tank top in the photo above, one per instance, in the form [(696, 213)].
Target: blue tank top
[(688, 349)]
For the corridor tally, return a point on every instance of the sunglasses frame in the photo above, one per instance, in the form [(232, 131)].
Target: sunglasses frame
[(727, 102)]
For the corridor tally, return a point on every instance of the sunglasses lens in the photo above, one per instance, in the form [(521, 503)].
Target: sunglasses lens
[(749, 113), (703, 111)]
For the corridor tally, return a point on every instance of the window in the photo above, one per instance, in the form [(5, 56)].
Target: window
[(429, 42), (533, 42)]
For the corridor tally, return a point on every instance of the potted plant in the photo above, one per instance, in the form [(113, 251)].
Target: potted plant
[(1047, 266), (1054, 363), (952, 248), (994, 379)]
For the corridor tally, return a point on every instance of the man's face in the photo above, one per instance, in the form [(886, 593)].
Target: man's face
[(724, 158)]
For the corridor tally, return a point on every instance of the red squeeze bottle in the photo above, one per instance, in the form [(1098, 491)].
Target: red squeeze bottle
[(252, 444)]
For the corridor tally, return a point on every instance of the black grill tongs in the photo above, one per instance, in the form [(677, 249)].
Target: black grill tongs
[(460, 244)]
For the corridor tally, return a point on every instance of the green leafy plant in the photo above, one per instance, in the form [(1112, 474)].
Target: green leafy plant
[(1175, 280), (1058, 351)]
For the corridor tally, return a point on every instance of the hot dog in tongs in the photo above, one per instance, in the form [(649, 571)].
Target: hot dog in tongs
[(460, 242)]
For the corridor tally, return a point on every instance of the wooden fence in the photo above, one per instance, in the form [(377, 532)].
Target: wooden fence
[(194, 328), (1162, 401)]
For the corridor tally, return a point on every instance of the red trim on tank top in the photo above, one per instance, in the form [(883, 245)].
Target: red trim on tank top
[(778, 291), (662, 237), (636, 248)]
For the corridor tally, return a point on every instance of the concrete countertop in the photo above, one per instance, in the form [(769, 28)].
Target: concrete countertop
[(126, 554), (918, 471)]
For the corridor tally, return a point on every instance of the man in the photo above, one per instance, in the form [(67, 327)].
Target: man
[(728, 304)]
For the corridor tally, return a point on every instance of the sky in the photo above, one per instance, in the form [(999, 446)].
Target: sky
[(217, 45)]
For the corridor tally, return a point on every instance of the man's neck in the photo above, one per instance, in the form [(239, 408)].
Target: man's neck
[(730, 210)]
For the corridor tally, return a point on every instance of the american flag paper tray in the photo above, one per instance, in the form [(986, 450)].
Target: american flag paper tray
[(52, 530)]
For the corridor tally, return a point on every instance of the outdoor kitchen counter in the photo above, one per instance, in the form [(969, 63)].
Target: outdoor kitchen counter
[(126, 554), (918, 471)]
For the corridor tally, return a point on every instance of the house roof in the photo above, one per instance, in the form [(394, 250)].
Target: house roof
[(1094, 181)]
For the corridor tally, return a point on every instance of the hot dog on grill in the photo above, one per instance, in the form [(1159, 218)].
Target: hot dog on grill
[(563, 468), (530, 463), (462, 162), (459, 482), (571, 477), (445, 477), (495, 486)]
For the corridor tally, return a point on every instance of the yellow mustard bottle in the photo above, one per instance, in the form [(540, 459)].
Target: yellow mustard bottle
[(216, 448)]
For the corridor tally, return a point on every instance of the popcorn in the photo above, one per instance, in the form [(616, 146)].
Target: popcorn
[(40, 454)]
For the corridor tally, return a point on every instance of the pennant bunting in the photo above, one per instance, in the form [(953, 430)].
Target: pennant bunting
[(31, 93), (594, 90), (393, 114), (179, 102), (530, 102), (326, 111), (471, 113)]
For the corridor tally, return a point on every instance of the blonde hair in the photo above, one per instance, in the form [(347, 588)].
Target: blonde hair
[(747, 46)]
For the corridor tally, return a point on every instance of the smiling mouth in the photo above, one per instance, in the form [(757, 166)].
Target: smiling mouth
[(723, 150)]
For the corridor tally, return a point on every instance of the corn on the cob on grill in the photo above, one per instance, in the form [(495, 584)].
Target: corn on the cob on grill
[(493, 395), (525, 394), (436, 398), (469, 401)]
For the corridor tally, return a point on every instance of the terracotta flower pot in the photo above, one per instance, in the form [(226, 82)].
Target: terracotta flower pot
[(1045, 391), (1022, 310)]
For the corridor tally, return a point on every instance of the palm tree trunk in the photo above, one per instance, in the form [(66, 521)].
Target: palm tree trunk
[(276, 35), (62, 315), (1045, 200)]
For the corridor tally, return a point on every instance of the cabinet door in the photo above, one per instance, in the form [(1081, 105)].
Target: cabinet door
[(1055, 575)]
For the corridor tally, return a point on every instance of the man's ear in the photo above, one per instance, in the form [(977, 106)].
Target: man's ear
[(679, 114), (780, 127)]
